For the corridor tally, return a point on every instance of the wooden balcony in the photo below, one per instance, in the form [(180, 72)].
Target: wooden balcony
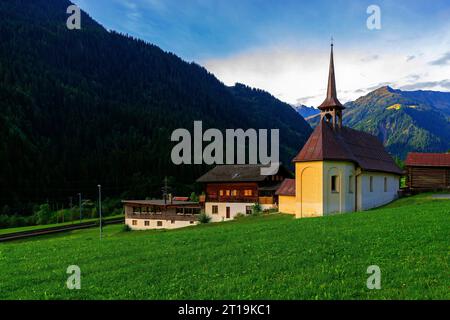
[(232, 199), (163, 216)]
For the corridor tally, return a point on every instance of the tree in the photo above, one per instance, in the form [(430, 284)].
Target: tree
[(193, 197), (44, 214)]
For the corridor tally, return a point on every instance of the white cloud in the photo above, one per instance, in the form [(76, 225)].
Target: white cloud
[(300, 75)]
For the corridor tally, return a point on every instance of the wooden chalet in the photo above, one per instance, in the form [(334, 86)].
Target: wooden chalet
[(160, 214), (233, 189), (427, 171)]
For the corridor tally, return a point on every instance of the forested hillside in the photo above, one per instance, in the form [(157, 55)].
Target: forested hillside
[(89, 106)]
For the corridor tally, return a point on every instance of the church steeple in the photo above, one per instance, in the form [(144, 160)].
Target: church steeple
[(331, 108)]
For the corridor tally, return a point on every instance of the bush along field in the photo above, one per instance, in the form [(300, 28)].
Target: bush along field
[(260, 257), (44, 215)]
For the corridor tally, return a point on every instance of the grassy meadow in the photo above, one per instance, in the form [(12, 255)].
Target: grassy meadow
[(45, 226), (266, 257)]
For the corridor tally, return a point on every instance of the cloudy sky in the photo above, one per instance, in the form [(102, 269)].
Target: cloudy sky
[(283, 46)]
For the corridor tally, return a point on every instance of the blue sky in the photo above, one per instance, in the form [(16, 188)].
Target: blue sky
[(282, 46)]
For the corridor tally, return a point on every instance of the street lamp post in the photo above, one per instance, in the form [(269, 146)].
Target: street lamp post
[(100, 207), (79, 198)]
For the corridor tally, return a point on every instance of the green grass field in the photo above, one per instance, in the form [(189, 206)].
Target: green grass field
[(45, 226), (268, 257)]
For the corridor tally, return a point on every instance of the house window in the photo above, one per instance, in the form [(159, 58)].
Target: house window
[(334, 184), (371, 184), (191, 222), (248, 192), (227, 193), (134, 222), (248, 209), (215, 209), (220, 192), (234, 193), (385, 184), (179, 210), (172, 221), (146, 223), (159, 223), (350, 184)]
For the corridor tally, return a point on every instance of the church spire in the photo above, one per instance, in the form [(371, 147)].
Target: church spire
[(331, 108)]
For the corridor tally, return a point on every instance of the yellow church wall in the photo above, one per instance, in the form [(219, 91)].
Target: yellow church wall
[(314, 195), (308, 186), (286, 204), (343, 198)]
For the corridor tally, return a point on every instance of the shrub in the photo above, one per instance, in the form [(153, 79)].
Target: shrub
[(126, 228), (256, 209), (239, 215), (4, 221), (269, 211), (204, 218)]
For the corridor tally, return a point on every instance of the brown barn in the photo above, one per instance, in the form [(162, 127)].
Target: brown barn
[(428, 171)]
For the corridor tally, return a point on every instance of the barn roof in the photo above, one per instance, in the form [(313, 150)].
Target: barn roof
[(287, 188), (428, 159), (345, 144), (236, 173)]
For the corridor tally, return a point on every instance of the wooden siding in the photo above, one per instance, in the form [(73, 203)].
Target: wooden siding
[(266, 200), (428, 177), (213, 192)]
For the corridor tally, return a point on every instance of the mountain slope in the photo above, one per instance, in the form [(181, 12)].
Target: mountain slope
[(404, 120), (88, 106), (306, 111)]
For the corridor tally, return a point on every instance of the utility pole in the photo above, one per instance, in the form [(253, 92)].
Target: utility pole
[(70, 208), (165, 190), (79, 198), (100, 207)]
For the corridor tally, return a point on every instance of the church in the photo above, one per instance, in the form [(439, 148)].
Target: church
[(339, 169)]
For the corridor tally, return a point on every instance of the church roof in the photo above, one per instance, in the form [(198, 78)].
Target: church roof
[(347, 144)]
